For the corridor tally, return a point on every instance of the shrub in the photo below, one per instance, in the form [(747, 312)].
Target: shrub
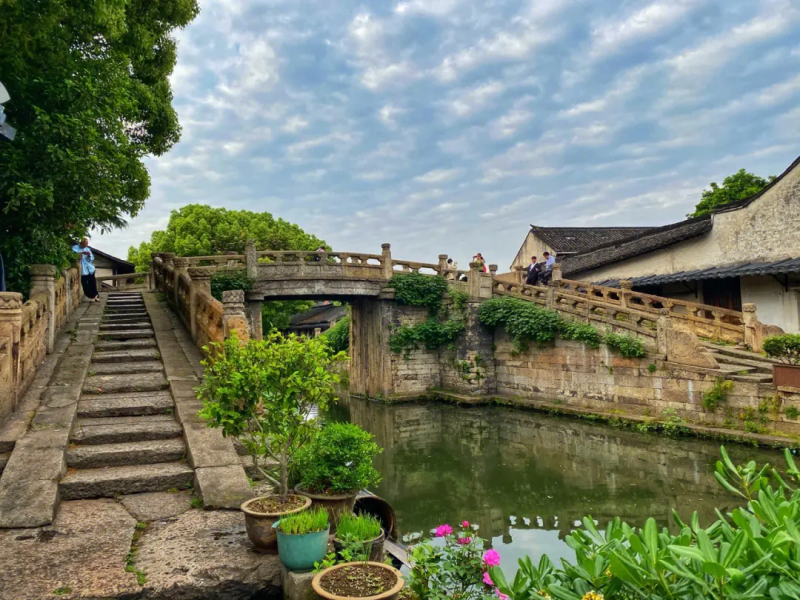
[(415, 289), (524, 321), (357, 528), (307, 521), (264, 392), (717, 394), (338, 336), (792, 412), (431, 334), (338, 460), (626, 345), (748, 553), (785, 348), (223, 281), (581, 332)]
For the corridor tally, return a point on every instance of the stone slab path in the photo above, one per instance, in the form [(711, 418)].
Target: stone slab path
[(116, 437)]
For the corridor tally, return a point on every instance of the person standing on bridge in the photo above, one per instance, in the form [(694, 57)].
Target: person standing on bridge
[(88, 281)]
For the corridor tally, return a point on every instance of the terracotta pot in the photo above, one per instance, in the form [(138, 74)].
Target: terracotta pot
[(786, 375), (391, 594), (376, 546), (259, 525), (335, 504)]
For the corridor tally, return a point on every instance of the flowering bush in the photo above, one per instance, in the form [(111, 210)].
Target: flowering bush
[(459, 569)]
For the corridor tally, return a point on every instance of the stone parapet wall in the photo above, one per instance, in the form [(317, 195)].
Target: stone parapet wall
[(28, 330)]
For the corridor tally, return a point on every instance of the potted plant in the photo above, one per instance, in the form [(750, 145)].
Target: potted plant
[(364, 580), (785, 348), (361, 531), (335, 466), (303, 538), (263, 392)]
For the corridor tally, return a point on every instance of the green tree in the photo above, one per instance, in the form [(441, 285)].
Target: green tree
[(738, 186), (90, 97)]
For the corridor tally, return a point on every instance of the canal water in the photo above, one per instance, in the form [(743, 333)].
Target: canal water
[(527, 479)]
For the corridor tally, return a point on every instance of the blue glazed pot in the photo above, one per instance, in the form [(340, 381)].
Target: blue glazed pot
[(300, 552)]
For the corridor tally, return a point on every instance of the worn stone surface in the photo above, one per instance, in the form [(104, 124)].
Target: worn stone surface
[(150, 366), (297, 586), (156, 506), (125, 453), (115, 383), (126, 334), (84, 550), (112, 481), (207, 448), (106, 346), (125, 429), (683, 347), (29, 503), (125, 405), (205, 554), (118, 356), (126, 326), (222, 487)]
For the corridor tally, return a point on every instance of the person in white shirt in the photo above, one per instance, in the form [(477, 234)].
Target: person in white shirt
[(549, 263), (88, 281)]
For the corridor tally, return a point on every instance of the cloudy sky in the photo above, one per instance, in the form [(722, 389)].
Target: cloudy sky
[(447, 126)]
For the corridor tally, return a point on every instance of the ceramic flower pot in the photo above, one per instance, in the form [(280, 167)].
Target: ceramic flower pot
[(259, 524), (375, 545), (390, 594), (335, 504), (299, 552)]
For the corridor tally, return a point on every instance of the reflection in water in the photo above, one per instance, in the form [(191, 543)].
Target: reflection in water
[(528, 479)]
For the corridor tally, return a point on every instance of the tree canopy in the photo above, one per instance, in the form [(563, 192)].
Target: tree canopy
[(90, 97), (738, 186), (200, 230)]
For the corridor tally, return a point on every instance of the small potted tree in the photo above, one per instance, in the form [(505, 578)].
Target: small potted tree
[(303, 538), (264, 393), (335, 466), (362, 531), (785, 348)]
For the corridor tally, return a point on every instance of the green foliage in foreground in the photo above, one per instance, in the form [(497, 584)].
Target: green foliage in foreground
[(751, 553), (738, 186), (90, 97), (338, 460), (784, 347), (308, 521), (264, 392), (527, 322), (338, 336), (358, 528)]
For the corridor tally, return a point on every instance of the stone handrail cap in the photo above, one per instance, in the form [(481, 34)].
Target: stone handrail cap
[(200, 272), (233, 297), (10, 301), (43, 270)]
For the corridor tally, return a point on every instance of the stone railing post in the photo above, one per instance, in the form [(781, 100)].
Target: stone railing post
[(251, 259), (626, 287), (386, 252), (519, 273), (68, 283), (557, 276), (442, 263), (476, 289), (233, 316), (201, 280), (180, 265), (43, 281), (10, 330), (663, 325)]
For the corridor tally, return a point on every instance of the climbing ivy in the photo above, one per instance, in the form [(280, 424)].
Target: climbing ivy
[(526, 322), (431, 334), (414, 289), (717, 395)]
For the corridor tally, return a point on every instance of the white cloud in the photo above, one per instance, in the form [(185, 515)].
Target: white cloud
[(465, 102), (323, 140), (438, 176), (294, 124), (509, 123), (438, 8), (377, 69), (611, 36), (257, 67), (388, 113)]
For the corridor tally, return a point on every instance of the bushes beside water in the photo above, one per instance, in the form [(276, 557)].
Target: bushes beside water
[(527, 322)]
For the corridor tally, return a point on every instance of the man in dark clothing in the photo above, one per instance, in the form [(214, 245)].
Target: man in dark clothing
[(532, 272)]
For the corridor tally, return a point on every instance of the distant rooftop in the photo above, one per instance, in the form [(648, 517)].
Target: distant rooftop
[(571, 240)]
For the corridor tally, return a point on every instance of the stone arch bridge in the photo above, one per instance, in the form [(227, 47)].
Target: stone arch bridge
[(669, 328)]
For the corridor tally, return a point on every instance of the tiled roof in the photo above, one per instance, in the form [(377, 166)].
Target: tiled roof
[(653, 239), (580, 239), (321, 314), (779, 267)]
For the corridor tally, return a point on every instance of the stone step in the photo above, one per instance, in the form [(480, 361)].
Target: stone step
[(139, 315), (733, 369), (130, 326), (119, 356), (112, 481), (115, 384), (118, 368), (250, 469), (124, 307), (114, 430), (126, 405), (105, 346), (126, 334), (760, 366), (738, 353), (126, 453), (754, 378)]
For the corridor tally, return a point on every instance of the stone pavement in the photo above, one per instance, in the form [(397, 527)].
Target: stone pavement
[(117, 438)]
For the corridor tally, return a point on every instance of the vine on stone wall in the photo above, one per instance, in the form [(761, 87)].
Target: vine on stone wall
[(526, 322)]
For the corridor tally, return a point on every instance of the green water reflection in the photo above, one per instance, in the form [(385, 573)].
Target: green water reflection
[(527, 478)]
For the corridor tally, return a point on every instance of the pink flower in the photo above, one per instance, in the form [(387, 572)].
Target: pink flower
[(487, 579), (491, 558), (464, 540), (500, 594), (465, 524), (443, 530)]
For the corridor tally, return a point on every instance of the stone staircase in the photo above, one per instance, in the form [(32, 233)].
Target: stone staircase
[(741, 365), (126, 439)]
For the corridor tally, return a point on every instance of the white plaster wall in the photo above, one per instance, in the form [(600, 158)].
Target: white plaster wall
[(774, 305), (532, 246)]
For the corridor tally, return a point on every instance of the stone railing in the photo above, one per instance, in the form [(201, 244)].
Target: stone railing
[(28, 330), (187, 289), (127, 281)]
